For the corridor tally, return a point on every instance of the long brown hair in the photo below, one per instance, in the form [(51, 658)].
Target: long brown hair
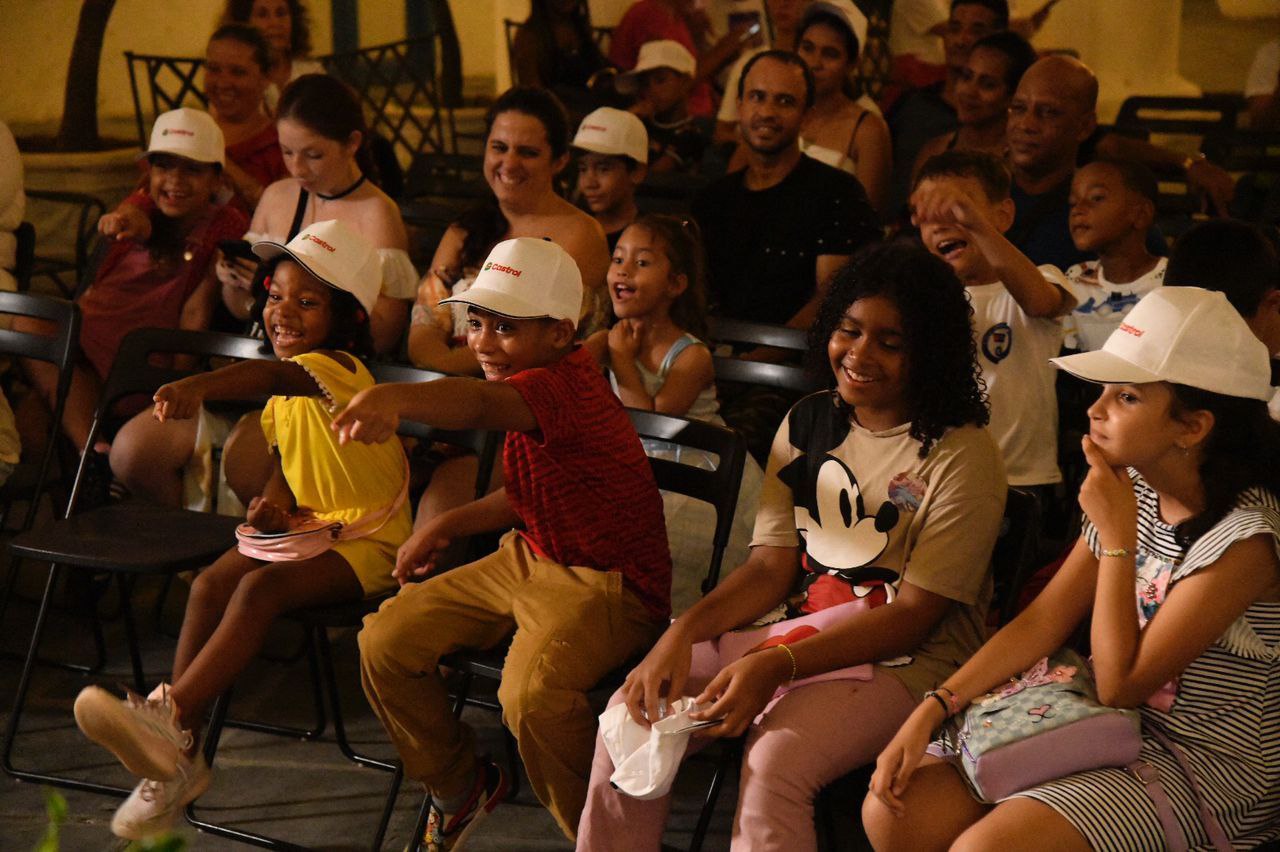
[(682, 243)]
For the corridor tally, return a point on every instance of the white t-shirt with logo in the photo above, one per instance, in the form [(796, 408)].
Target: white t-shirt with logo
[(1101, 305), (1013, 352)]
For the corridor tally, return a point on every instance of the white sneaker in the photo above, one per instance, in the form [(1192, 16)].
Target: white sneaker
[(142, 733), (155, 806)]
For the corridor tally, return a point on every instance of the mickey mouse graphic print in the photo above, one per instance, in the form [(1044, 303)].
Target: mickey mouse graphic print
[(868, 514)]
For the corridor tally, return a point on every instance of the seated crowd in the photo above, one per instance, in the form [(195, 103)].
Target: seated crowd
[(953, 263)]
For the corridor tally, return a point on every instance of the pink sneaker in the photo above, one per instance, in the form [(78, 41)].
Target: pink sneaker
[(142, 733), (155, 806)]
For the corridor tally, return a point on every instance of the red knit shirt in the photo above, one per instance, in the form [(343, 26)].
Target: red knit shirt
[(581, 482)]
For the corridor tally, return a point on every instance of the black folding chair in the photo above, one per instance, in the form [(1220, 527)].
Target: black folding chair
[(718, 487), (28, 480), (756, 394), (1014, 559), (25, 255), (317, 621), (784, 346), (129, 539), (403, 88), (168, 82), (86, 249), (1178, 115)]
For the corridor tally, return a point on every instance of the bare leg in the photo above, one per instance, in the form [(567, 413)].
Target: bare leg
[(149, 457), (261, 595), (939, 809), (211, 591), (1022, 824), (247, 458), (452, 484), (82, 397)]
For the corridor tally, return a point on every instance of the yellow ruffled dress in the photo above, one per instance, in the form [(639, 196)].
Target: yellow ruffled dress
[(340, 483)]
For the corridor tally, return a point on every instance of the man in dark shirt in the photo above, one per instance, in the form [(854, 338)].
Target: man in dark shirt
[(776, 231), (1051, 115)]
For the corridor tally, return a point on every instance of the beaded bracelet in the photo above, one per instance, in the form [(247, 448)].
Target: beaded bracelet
[(942, 702), (793, 661), (951, 699)]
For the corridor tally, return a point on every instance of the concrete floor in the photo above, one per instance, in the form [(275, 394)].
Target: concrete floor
[(305, 792)]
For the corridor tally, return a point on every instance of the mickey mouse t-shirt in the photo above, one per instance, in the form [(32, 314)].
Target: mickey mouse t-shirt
[(867, 512)]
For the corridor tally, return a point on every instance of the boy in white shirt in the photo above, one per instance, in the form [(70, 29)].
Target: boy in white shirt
[(962, 206), (1113, 203)]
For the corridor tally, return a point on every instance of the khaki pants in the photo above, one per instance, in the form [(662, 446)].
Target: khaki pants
[(572, 626)]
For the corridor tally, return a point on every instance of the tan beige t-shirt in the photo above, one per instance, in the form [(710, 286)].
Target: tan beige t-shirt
[(867, 513)]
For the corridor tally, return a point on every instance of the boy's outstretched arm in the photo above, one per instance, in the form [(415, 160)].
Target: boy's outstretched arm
[(374, 414), (245, 380), (1037, 296)]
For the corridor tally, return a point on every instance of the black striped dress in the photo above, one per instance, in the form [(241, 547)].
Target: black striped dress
[(1225, 713)]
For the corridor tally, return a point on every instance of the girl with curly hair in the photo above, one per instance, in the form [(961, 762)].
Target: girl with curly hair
[(882, 498)]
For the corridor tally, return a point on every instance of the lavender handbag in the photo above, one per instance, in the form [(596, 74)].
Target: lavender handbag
[(1043, 725)]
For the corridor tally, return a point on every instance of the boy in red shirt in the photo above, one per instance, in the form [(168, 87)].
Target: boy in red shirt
[(584, 581)]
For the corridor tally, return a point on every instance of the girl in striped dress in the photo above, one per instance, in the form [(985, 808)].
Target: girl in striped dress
[(1177, 573)]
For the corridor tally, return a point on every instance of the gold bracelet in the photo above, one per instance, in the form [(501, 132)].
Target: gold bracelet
[(1117, 553), (793, 661)]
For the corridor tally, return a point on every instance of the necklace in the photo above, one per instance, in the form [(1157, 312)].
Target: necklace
[(359, 183)]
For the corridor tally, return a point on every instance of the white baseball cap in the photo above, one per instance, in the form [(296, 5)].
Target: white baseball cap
[(845, 11), (336, 255), (526, 278), (662, 53), (189, 133), (1183, 335), (614, 132)]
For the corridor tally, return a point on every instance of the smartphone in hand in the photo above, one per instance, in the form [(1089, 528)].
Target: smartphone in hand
[(238, 250)]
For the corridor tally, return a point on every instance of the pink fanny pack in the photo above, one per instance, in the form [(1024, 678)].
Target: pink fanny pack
[(312, 537)]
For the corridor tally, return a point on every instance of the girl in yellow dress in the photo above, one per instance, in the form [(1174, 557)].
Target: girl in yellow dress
[(320, 292)]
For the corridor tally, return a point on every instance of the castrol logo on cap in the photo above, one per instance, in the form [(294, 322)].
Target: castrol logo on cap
[(314, 239), (498, 267), (1128, 329)]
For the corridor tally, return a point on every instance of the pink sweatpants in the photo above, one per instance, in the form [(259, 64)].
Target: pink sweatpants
[(812, 736)]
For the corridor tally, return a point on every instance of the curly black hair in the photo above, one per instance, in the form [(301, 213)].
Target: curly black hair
[(944, 383), (349, 331)]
